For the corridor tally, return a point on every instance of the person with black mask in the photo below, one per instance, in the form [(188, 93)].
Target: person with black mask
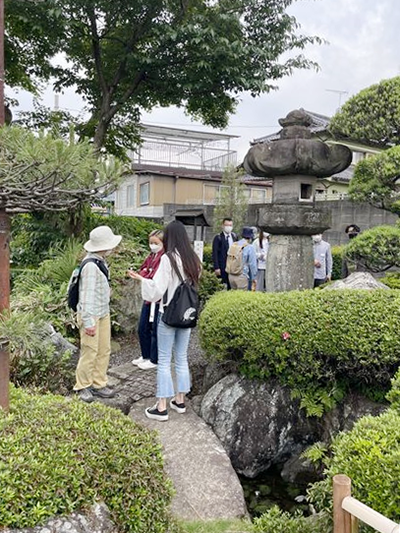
[(352, 230)]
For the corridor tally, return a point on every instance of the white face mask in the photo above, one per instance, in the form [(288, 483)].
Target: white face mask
[(155, 248), (228, 229), (317, 238)]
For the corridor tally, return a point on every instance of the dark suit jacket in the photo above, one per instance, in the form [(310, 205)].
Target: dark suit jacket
[(220, 251)]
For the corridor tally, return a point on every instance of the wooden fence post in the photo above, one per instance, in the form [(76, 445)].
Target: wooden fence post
[(341, 518)]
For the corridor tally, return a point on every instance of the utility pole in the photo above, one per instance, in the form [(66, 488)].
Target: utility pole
[(339, 93), (4, 247)]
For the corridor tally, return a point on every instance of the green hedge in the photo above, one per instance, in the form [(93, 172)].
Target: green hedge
[(59, 455), (369, 455), (307, 339), (337, 258)]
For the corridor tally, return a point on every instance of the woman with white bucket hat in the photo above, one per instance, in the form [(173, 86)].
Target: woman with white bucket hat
[(94, 316)]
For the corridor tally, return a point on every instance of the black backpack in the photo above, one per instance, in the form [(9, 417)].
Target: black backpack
[(73, 286), (183, 309)]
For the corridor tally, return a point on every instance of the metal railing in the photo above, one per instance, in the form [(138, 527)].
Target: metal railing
[(347, 511)]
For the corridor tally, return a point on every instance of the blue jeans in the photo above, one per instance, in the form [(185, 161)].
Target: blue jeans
[(148, 333), (169, 338)]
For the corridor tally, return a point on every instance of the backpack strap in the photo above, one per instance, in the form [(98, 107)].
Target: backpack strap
[(100, 265)]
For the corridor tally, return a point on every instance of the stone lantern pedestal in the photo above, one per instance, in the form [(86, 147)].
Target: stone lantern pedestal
[(294, 162)]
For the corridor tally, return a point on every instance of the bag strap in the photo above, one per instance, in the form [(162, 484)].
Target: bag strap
[(176, 270), (100, 265)]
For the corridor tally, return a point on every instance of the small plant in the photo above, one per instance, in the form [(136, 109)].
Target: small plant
[(59, 455)]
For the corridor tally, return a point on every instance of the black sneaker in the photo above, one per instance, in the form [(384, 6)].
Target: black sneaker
[(155, 414), (86, 395), (104, 392), (178, 407)]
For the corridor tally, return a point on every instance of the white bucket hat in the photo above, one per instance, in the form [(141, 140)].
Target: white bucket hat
[(102, 238)]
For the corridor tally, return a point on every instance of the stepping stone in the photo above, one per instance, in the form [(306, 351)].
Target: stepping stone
[(207, 486)]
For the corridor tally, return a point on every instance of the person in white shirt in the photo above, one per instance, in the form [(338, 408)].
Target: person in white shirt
[(261, 245), (322, 260), (166, 280)]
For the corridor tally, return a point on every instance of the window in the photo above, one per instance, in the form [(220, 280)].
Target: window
[(306, 191), (130, 196), (210, 194), (258, 196), (145, 193)]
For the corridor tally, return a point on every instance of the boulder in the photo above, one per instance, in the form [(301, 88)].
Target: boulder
[(258, 423), (128, 306), (96, 520), (357, 280)]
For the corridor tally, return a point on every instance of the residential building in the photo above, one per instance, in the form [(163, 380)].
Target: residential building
[(182, 167)]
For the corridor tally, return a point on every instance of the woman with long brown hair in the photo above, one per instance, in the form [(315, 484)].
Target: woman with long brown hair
[(179, 255)]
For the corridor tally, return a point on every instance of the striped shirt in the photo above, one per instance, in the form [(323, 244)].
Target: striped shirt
[(94, 293)]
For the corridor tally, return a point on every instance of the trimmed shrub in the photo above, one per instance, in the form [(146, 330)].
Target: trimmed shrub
[(392, 280), (277, 521), (207, 258), (209, 284), (376, 249), (337, 257), (60, 455), (369, 455), (308, 339)]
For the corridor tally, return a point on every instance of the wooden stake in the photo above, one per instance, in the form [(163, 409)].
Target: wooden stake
[(341, 518)]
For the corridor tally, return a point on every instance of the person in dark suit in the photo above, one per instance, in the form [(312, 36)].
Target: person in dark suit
[(220, 247)]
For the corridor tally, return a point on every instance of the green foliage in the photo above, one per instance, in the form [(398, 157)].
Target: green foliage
[(337, 258), (392, 280), (131, 55), (374, 180), (207, 258), (319, 342), (217, 526), (33, 361), (316, 452), (376, 249), (209, 284), (369, 455), (317, 401), (277, 521), (45, 173), (232, 201), (60, 455), (372, 116)]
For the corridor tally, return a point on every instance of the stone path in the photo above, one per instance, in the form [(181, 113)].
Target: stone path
[(206, 484)]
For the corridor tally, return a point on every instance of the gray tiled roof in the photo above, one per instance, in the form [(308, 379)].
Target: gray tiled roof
[(319, 123)]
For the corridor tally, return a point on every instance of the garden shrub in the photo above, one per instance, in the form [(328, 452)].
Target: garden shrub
[(311, 341), (209, 284), (369, 454), (60, 455), (207, 258), (376, 249), (392, 280), (337, 259), (277, 521)]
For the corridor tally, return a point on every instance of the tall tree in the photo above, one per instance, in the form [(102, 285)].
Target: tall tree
[(232, 200), (125, 56), (372, 116)]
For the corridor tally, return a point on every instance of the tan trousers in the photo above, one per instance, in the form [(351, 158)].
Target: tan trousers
[(239, 282), (95, 355)]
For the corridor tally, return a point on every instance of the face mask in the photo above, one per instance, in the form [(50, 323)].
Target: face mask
[(155, 248), (228, 229), (317, 238)]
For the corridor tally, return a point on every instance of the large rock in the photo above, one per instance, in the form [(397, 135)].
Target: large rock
[(258, 423), (128, 306), (97, 520), (357, 280), (206, 485)]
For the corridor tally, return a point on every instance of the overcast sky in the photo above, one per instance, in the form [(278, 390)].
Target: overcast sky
[(364, 45)]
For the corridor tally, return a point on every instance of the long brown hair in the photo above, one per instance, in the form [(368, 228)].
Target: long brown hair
[(177, 240)]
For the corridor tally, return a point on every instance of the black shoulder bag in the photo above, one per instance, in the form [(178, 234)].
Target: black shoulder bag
[(183, 309)]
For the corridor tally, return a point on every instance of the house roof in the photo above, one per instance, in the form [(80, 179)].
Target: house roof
[(191, 173), (319, 123)]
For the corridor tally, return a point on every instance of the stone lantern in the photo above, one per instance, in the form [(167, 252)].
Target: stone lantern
[(295, 162)]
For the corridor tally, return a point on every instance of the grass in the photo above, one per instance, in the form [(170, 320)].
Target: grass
[(217, 526)]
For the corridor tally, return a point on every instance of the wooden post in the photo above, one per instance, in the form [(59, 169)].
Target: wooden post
[(4, 305), (341, 518)]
